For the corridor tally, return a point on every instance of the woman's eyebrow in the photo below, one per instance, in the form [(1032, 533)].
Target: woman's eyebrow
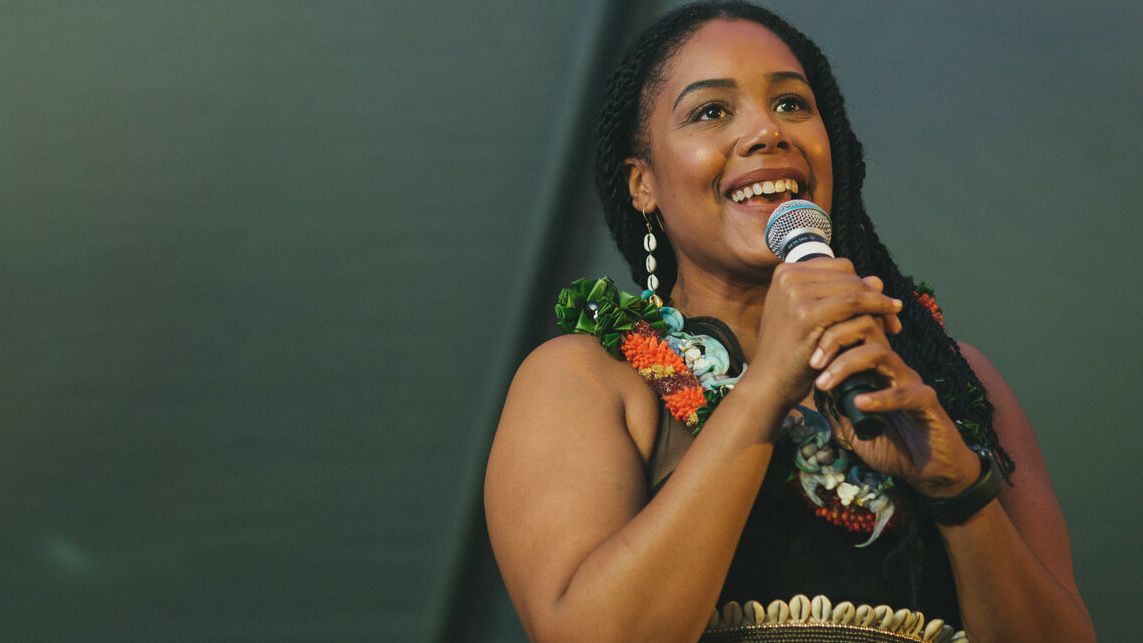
[(703, 84), (786, 75), (729, 83)]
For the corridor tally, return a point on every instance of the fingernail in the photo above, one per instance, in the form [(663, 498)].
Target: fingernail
[(898, 304), (823, 380), (817, 358)]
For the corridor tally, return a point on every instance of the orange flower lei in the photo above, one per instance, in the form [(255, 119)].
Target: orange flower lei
[(666, 371)]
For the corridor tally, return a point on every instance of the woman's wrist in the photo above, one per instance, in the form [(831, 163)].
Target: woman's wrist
[(762, 399), (952, 479), (956, 509)]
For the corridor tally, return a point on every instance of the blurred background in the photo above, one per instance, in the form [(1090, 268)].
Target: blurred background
[(268, 267)]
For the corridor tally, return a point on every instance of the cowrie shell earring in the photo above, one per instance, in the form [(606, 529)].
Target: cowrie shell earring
[(649, 244)]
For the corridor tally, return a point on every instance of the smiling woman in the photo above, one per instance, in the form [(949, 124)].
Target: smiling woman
[(703, 485)]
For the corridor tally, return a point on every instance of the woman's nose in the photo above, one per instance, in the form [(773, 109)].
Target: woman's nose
[(763, 134)]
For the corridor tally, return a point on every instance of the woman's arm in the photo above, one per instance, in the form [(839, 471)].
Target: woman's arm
[(584, 555), (1012, 561)]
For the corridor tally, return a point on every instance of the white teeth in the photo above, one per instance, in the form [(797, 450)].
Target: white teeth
[(765, 187)]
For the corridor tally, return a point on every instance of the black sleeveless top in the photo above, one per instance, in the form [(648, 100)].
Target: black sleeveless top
[(786, 550)]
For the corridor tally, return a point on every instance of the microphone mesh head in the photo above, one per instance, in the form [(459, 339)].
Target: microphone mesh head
[(797, 214)]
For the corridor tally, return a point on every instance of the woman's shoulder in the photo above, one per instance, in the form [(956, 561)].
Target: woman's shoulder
[(571, 350), (584, 369), (976, 359), (577, 361), (576, 371)]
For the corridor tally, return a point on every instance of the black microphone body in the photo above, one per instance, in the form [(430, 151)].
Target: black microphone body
[(799, 231)]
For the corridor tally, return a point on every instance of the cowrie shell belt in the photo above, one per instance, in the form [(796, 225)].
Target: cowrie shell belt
[(818, 619)]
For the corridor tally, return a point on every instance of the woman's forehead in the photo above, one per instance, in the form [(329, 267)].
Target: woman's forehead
[(736, 49)]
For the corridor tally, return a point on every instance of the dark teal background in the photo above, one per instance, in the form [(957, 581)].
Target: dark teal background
[(267, 268)]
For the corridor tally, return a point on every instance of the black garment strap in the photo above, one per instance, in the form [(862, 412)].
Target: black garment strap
[(715, 328)]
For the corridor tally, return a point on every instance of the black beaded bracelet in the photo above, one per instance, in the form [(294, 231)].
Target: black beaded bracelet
[(954, 510)]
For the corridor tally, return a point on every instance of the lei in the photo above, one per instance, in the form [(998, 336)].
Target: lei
[(689, 372)]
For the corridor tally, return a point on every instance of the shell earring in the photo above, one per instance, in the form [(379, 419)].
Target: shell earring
[(649, 244)]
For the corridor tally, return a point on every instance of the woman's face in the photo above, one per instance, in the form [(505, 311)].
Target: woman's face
[(734, 113)]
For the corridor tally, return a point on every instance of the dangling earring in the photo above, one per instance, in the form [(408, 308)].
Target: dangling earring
[(649, 244)]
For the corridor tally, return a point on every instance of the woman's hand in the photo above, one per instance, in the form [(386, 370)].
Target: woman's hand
[(803, 302), (921, 445)]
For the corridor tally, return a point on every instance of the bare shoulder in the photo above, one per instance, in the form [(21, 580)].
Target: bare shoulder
[(575, 369), (983, 366), (578, 355), (1009, 420)]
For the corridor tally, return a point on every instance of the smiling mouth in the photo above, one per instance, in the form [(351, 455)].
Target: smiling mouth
[(767, 191)]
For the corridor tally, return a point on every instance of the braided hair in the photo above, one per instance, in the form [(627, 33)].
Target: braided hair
[(621, 135)]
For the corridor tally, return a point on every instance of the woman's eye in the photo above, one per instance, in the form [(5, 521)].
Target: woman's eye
[(791, 103), (711, 112)]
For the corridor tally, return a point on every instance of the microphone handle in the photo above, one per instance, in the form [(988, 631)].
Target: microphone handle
[(865, 425)]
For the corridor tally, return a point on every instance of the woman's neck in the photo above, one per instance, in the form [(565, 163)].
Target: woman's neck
[(739, 305)]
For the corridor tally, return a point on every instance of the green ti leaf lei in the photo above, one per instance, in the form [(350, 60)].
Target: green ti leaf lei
[(597, 307)]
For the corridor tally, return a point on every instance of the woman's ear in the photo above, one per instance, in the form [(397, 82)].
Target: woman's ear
[(641, 184)]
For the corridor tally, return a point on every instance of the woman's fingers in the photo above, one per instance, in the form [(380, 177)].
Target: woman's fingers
[(875, 356), (913, 396), (874, 282), (825, 286), (825, 298), (822, 278), (861, 329), (892, 323), (846, 305), (905, 392)]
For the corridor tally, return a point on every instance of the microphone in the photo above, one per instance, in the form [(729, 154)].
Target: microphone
[(799, 230)]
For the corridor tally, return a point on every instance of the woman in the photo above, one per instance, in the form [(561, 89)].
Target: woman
[(611, 522)]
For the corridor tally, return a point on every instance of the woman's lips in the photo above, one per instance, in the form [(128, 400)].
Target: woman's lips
[(768, 186), (774, 191)]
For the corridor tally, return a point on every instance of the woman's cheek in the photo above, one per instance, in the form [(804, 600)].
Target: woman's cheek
[(698, 161), (702, 163), (818, 155)]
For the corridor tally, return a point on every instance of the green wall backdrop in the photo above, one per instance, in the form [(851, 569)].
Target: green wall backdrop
[(268, 266)]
